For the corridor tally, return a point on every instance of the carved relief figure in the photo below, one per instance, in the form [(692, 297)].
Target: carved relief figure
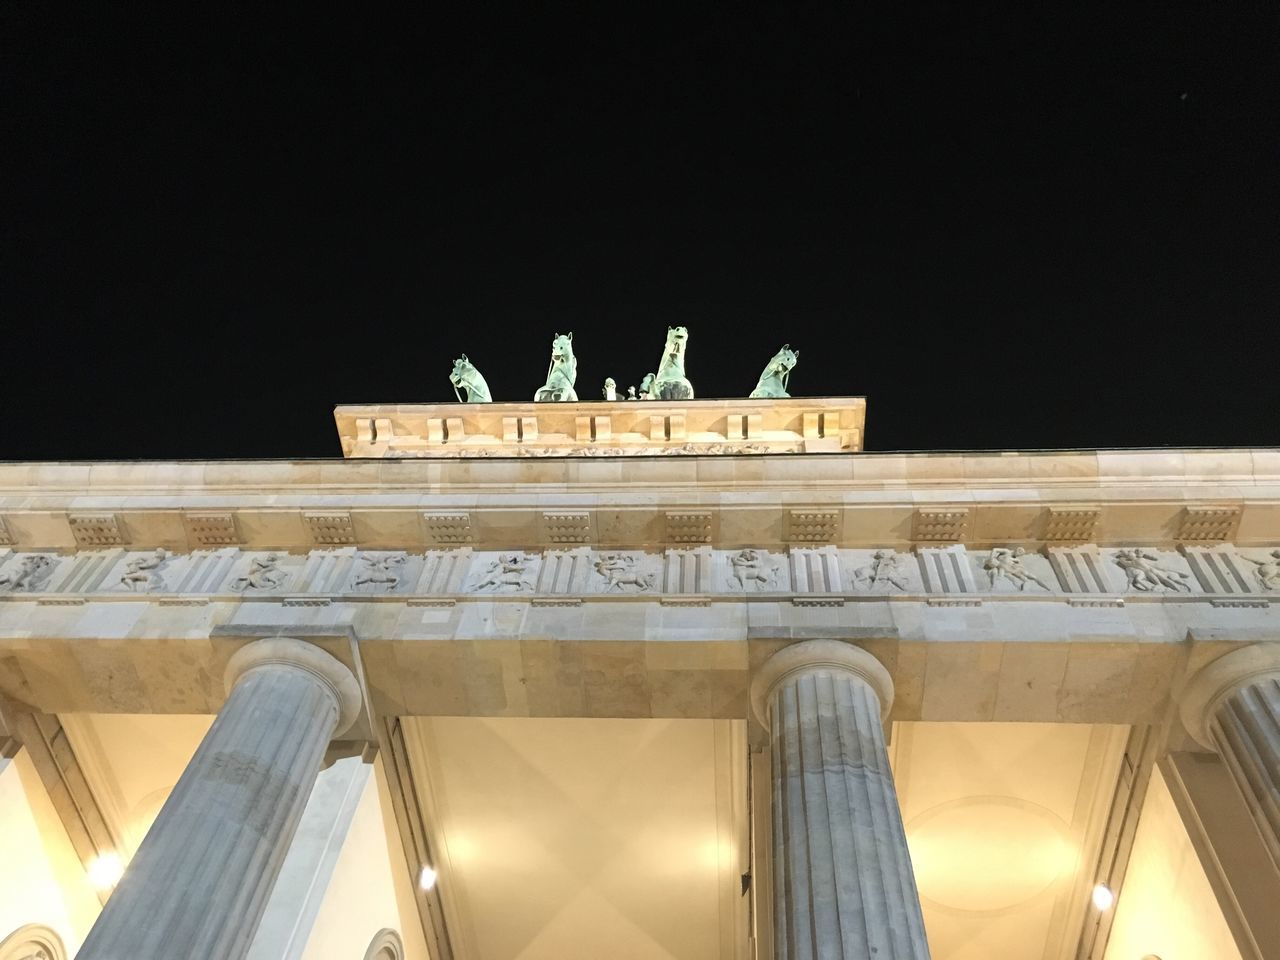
[(1007, 563), (31, 574), (380, 572), (508, 571), (1268, 571), (646, 386), (753, 567), (466, 376), (773, 382), (562, 372), (621, 570), (610, 390), (669, 382), (631, 393), (142, 574), (886, 566), (264, 574), (1144, 572)]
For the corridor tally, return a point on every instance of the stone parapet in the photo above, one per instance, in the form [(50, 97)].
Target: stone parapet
[(602, 429)]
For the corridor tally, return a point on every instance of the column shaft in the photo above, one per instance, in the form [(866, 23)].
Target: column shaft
[(843, 884), (1245, 729), (200, 880)]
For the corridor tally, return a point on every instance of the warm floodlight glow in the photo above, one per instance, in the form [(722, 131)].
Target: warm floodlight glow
[(1103, 898), (105, 871), (427, 878)]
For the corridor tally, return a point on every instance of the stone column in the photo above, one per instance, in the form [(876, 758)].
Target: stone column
[(200, 880), (842, 880), (1233, 706)]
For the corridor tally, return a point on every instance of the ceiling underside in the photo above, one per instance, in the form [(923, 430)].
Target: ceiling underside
[(626, 838)]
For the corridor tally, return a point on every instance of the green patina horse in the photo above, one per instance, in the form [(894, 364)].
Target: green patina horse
[(773, 382), (670, 383), (562, 372), (466, 376)]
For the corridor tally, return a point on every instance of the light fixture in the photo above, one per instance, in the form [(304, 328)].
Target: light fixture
[(105, 871), (1103, 898), (427, 878)]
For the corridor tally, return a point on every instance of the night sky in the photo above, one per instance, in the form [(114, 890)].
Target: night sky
[(1016, 229)]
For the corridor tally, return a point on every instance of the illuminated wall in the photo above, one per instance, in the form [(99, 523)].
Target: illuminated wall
[(1167, 907)]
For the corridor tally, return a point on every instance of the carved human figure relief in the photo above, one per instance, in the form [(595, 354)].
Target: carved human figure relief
[(264, 574), (143, 574), (379, 572), (622, 570), (1144, 572), (753, 569), (1008, 564), (1267, 571), (610, 390), (31, 574), (509, 573), (886, 568)]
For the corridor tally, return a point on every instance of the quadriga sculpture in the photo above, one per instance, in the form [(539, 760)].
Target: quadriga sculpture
[(466, 376), (773, 382), (669, 383), (562, 373)]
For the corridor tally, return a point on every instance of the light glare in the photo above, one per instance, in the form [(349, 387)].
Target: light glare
[(1103, 898), (105, 871), (427, 879)]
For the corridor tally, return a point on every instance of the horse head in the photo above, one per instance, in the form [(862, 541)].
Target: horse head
[(677, 337), (562, 347), (462, 369), (786, 358)]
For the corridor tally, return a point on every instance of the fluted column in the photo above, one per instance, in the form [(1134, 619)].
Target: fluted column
[(842, 880), (200, 880), (1233, 706)]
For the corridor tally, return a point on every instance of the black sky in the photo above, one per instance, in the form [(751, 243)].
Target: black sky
[(1010, 229)]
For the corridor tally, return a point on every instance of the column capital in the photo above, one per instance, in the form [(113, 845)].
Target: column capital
[(812, 656), (299, 655), (1220, 679)]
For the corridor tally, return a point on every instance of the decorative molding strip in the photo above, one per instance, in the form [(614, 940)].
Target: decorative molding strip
[(684, 600), (331, 529), (431, 602), (929, 525), (93, 530), (814, 601), (63, 601), (1095, 601), (1240, 602), (555, 602), (561, 528), (954, 602), (183, 601), (688, 527), (449, 529), (813, 526), (305, 601), (211, 530), (1071, 524), (1209, 524)]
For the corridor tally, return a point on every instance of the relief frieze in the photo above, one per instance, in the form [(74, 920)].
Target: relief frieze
[(1005, 571)]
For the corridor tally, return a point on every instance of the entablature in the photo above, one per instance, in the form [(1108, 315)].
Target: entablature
[(616, 428)]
